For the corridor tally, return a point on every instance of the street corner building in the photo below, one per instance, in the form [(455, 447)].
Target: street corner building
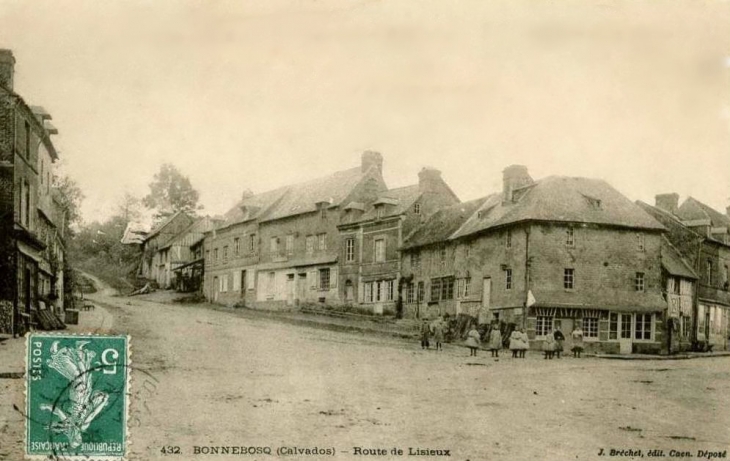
[(31, 214), (560, 252), (697, 285)]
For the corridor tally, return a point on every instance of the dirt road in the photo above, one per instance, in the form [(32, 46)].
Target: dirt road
[(214, 379)]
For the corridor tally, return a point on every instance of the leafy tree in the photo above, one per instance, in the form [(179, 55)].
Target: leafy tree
[(70, 196), (128, 207), (171, 192)]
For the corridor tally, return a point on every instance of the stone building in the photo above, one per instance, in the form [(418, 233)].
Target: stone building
[(553, 253), (700, 234), (155, 263), (31, 218), (182, 257), (279, 249), (371, 237)]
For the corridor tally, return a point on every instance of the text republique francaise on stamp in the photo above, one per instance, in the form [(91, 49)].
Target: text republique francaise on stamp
[(77, 396)]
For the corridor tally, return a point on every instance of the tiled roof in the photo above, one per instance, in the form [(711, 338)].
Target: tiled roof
[(303, 197), (674, 263), (252, 207), (402, 197), (300, 198), (193, 233), (157, 229), (693, 209), (442, 224), (562, 199)]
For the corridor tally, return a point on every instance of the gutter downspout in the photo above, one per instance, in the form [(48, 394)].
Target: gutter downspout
[(695, 307)]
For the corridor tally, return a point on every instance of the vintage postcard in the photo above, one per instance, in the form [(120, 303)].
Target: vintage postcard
[(365, 230)]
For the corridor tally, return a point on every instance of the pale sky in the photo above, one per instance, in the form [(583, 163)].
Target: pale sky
[(254, 95)]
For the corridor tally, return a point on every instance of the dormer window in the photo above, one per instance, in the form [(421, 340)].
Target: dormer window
[(379, 211), (417, 208), (593, 202)]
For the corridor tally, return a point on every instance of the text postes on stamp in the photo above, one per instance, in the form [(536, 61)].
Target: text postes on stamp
[(77, 396)]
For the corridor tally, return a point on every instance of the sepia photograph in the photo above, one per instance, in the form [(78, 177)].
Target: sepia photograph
[(375, 230)]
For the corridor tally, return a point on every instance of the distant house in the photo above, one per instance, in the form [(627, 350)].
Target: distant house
[(32, 220), (700, 235), (279, 249), (183, 257), (155, 263), (560, 252), (371, 237)]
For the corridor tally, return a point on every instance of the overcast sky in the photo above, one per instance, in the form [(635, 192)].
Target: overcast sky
[(254, 95)]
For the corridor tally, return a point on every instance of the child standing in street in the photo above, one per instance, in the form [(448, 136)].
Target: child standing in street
[(472, 341), (425, 334), (495, 340)]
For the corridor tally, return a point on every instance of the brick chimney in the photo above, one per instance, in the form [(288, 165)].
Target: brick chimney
[(7, 68), (371, 158), (514, 177), (429, 179), (667, 202)]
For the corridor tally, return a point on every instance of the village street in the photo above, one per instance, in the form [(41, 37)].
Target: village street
[(204, 377)]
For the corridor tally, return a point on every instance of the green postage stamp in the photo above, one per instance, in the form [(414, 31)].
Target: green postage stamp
[(77, 392)]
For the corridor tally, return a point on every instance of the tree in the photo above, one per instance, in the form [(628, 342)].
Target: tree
[(70, 197), (171, 192), (128, 207)]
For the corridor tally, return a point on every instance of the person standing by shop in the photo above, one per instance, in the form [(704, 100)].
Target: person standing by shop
[(559, 341), (577, 336), (495, 340)]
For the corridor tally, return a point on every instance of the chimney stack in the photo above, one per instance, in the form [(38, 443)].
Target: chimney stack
[(514, 177), (7, 68), (727, 211), (429, 179), (371, 158), (668, 202)]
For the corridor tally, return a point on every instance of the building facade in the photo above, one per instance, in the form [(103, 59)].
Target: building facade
[(32, 221), (555, 253), (155, 263), (370, 239), (280, 249), (700, 235)]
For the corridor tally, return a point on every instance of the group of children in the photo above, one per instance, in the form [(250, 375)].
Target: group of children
[(518, 341)]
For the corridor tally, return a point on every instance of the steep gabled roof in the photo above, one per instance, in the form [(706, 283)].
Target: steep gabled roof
[(441, 225), (674, 263), (166, 222), (669, 221), (561, 199), (692, 209), (396, 201), (134, 233), (252, 207), (299, 198), (193, 233), (303, 197)]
